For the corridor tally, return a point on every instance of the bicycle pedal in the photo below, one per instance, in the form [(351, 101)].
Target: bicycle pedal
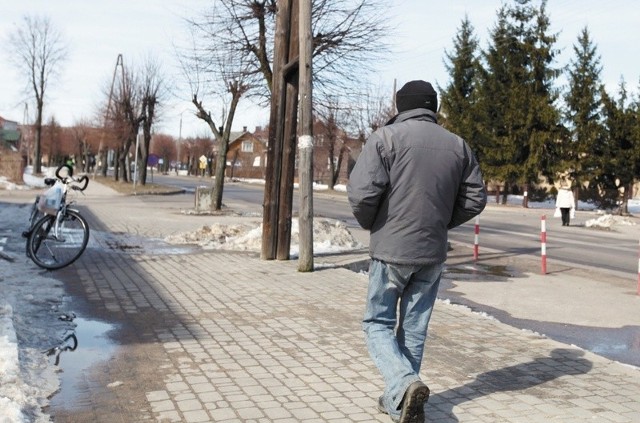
[(25, 234)]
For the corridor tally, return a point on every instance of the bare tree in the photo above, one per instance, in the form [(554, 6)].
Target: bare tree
[(165, 147), (134, 102), (80, 132), (37, 50), (153, 90), (332, 120), (221, 74), (126, 118), (51, 140), (234, 43), (376, 109), (347, 35)]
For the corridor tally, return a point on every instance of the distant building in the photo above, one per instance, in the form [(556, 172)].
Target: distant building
[(247, 154), (9, 134)]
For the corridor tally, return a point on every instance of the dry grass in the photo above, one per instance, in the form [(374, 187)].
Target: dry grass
[(128, 189)]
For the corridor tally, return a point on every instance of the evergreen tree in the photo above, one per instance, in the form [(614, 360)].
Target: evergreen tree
[(583, 113), (516, 97), (493, 99), (457, 99), (618, 165), (540, 154), (634, 112)]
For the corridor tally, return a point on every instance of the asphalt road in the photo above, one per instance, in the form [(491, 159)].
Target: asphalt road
[(510, 230)]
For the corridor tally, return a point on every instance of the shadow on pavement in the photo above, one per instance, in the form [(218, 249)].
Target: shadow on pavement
[(562, 362)]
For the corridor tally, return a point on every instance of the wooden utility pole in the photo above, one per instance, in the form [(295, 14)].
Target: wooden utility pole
[(290, 133), (305, 141), (274, 149), (277, 206)]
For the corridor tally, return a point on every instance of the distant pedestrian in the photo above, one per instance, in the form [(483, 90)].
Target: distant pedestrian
[(413, 181), (69, 162), (566, 204)]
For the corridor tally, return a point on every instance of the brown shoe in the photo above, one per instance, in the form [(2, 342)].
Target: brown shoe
[(415, 397)]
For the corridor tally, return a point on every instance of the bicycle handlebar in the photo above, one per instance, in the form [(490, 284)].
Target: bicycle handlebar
[(84, 180), (69, 172), (81, 180)]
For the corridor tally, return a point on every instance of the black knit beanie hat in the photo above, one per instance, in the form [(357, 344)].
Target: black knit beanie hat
[(416, 95)]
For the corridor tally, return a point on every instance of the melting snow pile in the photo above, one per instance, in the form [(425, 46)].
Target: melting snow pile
[(328, 236), (607, 221), (9, 366)]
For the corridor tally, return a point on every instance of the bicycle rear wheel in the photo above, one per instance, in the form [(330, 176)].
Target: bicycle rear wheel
[(54, 249)]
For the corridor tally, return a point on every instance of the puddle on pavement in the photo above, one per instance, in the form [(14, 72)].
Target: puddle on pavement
[(122, 242), (479, 270), (620, 344), (94, 346)]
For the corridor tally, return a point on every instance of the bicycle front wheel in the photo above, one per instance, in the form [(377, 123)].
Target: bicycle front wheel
[(54, 245)]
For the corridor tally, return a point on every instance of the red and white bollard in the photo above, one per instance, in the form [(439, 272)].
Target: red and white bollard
[(476, 239), (543, 243)]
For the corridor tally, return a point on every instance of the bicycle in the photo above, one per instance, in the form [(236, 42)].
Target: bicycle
[(59, 237), (35, 214)]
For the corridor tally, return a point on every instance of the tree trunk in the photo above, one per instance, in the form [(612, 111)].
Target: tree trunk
[(332, 166), (505, 192), (116, 165), (525, 197), (143, 155), (336, 175), (37, 153)]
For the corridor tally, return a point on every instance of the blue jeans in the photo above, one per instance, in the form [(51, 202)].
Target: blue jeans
[(396, 342)]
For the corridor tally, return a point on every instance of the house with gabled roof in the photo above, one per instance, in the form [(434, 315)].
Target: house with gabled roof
[(247, 154)]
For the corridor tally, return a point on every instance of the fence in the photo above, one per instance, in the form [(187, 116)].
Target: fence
[(12, 165)]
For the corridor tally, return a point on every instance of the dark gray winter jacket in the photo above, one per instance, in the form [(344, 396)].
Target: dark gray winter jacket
[(413, 181)]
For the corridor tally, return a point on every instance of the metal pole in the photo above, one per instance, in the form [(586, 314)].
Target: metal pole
[(178, 146), (543, 243), (135, 170)]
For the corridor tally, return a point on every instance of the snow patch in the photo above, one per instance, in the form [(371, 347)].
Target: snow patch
[(9, 368), (329, 235), (30, 306), (608, 221), (482, 314)]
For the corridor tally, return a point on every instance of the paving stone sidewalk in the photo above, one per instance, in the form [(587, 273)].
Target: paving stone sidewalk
[(210, 336)]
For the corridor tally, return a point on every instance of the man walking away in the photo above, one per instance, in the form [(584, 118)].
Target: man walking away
[(413, 181)]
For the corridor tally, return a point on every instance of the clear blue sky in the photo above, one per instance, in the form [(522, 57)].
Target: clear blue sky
[(98, 31)]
